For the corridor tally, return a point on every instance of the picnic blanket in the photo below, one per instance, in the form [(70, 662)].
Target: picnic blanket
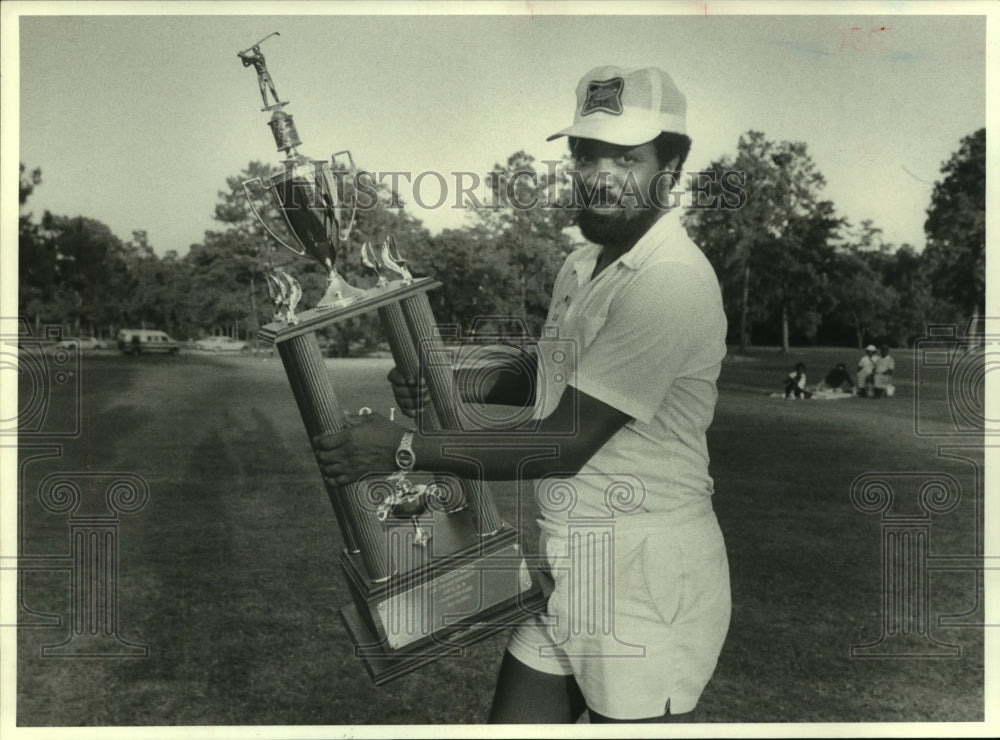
[(824, 394)]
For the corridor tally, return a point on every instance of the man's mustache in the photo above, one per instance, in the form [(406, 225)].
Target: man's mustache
[(602, 197)]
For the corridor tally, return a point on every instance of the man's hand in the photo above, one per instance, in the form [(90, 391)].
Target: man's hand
[(366, 445), (410, 396)]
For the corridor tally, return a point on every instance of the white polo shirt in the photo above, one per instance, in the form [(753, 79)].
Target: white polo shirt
[(649, 333)]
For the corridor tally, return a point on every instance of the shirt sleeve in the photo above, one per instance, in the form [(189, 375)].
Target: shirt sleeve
[(665, 323)]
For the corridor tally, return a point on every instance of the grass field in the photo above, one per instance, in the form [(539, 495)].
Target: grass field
[(229, 573)]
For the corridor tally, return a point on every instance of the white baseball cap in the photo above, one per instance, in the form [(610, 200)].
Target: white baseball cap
[(626, 106), (871, 348)]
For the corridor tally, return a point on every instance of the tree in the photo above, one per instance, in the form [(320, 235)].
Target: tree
[(158, 289), (521, 239), (857, 287), (26, 183), (917, 306), (955, 255), (769, 249), (75, 272), (90, 270), (478, 279), (36, 257)]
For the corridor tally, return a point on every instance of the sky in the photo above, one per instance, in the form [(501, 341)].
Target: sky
[(137, 120)]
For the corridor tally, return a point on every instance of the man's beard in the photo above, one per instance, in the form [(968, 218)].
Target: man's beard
[(619, 229)]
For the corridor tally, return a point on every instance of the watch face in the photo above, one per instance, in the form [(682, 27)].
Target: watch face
[(404, 458)]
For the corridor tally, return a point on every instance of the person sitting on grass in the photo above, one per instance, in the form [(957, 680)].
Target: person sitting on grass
[(866, 366), (885, 365), (795, 383), (838, 379)]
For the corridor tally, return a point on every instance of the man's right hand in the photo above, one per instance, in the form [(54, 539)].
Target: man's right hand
[(411, 398)]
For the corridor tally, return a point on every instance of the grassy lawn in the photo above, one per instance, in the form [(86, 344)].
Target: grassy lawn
[(229, 573)]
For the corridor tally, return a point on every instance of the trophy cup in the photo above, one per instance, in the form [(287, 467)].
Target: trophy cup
[(431, 566)]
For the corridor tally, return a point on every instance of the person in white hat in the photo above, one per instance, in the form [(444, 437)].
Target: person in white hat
[(866, 370), (640, 604)]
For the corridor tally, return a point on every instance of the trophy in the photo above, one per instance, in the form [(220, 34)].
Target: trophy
[(305, 193), (431, 566)]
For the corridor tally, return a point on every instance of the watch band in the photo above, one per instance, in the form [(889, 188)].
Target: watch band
[(405, 459)]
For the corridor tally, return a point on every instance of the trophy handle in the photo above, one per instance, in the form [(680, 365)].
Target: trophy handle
[(345, 232), (246, 192)]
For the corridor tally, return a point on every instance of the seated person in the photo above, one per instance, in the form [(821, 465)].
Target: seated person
[(866, 366), (795, 383), (838, 379), (885, 365)]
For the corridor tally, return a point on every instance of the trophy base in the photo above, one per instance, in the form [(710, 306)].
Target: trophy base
[(313, 319), (339, 294), (384, 664), (436, 606)]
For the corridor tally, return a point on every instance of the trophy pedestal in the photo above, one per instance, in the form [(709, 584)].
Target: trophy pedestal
[(442, 604), (423, 587), (313, 319), (339, 294)]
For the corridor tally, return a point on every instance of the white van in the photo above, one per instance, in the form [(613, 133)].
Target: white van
[(137, 341)]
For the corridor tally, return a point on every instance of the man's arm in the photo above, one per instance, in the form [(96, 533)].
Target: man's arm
[(505, 382), (561, 445), (578, 427)]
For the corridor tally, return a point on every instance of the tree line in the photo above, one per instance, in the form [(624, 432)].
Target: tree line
[(792, 270)]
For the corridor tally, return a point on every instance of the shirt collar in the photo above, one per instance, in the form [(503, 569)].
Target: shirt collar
[(585, 263), (658, 233)]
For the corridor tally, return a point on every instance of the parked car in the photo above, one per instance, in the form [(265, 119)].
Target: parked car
[(222, 344), (138, 341), (82, 343)]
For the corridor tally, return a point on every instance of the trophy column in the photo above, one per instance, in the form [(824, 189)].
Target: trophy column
[(411, 327), (404, 352), (441, 382), (321, 414)]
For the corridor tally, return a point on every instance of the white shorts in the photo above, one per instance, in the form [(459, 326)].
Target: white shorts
[(638, 613)]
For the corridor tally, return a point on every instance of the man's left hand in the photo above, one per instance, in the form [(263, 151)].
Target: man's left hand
[(367, 444)]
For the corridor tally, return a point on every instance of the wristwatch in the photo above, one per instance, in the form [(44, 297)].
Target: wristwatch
[(405, 459)]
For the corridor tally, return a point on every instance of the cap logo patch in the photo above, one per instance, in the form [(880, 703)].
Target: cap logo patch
[(604, 96)]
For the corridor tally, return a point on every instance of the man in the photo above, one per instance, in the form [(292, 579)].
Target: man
[(885, 366), (866, 366), (644, 309)]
